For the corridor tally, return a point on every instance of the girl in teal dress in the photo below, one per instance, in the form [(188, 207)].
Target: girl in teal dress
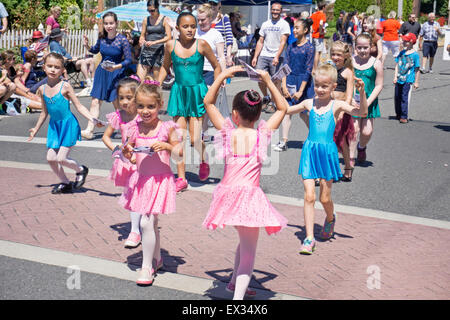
[(187, 55), (370, 70), (63, 129), (319, 158)]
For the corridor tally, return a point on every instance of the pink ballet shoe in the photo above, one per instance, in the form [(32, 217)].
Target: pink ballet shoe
[(203, 172), (248, 293), (133, 240), (146, 277), (181, 184)]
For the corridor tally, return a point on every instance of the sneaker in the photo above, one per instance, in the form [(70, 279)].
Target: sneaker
[(62, 188), (403, 120), (361, 154), (248, 293), (308, 246), (281, 146), (270, 108), (81, 178), (181, 184), (86, 92), (203, 172), (422, 70), (430, 71), (133, 240), (146, 277), (328, 228)]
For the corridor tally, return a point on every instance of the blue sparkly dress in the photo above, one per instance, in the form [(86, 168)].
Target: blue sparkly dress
[(117, 50), (319, 158), (63, 128)]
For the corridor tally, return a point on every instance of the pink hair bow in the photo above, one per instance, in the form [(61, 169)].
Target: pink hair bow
[(152, 82), (135, 77)]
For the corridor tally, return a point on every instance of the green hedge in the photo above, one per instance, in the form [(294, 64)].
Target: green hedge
[(362, 5)]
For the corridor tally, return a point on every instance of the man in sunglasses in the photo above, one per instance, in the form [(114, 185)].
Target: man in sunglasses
[(273, 36)]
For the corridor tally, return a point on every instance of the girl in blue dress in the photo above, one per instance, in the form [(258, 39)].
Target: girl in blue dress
[(319, 158), (63, 128), (115, 48), (298, 85)]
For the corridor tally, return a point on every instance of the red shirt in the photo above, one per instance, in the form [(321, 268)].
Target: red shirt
[(390, 29), (316, 17)]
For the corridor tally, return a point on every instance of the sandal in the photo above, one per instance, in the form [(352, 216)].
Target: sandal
[(347, 179)]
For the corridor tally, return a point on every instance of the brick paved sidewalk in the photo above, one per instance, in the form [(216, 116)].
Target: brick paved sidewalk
[(412, 261)]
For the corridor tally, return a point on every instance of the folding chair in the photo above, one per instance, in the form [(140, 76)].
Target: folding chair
[(75, 76)]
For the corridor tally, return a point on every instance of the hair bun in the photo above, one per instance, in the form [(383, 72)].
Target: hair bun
[(253, 96)]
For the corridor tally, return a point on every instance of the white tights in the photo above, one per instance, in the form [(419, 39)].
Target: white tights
[(57, 158), (244, 260), (151, 247), (135, 219)]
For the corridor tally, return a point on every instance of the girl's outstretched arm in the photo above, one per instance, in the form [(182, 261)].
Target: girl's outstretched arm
[(280, 102), (211, 96), (41, 118), (354, 109), (297, 108), (70, 93), (167, 62), (107, 137)]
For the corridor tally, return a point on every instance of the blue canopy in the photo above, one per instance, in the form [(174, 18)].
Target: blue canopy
[(137, 11), (250, 2)]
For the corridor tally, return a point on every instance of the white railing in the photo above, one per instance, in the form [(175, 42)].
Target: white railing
[(72, 42)]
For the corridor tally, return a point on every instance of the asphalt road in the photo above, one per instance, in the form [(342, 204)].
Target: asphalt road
[(407, 165)]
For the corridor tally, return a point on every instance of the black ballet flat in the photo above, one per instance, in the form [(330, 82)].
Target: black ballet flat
[(79, 182), (347, 179), (63, 188)]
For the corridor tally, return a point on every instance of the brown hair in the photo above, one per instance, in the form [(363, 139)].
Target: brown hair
[(55, 55), (30, 55), (148, 87), (248, 111)]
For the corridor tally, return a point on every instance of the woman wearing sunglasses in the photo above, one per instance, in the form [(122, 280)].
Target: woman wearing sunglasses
[(155, 33)]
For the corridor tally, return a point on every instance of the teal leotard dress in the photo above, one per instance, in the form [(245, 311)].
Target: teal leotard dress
[(189, 88), (368, 76), (319, 157), (63, 128)]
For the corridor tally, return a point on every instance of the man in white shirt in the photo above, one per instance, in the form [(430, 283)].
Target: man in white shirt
[(273, 36)]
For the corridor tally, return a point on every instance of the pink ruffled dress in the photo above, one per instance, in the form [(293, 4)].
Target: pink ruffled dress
[(121, 170), (151, 188), (238, 199)]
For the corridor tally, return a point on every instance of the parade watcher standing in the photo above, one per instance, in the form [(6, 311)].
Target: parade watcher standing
[(319, 18), (155, 33), (222, 23), (429, 41), (391, 41), (3, 19), (52, 20)]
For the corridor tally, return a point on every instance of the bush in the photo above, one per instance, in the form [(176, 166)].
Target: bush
[(385, 6)]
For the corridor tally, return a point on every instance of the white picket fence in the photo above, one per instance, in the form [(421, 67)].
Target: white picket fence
[(72, 42)]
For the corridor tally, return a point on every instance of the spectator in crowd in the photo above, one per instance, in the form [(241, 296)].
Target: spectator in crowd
[(36, 46), (3, 19), (243, 39), (349, 35), (86, 66), (429, 41), (319, 18), (222, 23), (411, 26), (269, 48), (369, 26), (340, 25), (155, 33), (391, 41), (52, 20)]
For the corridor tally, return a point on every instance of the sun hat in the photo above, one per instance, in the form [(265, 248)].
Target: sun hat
[(56, 33), (37, 35)]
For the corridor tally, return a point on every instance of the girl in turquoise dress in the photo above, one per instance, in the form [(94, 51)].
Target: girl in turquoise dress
[(63, 128), (187, 55), (319, 158), (370, 70)]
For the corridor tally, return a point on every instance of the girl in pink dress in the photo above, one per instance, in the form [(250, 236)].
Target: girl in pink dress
[(151, 188), (122, 168), (238, 200)]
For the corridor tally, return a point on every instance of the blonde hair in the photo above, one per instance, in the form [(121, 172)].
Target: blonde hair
[(327, 70), (206, 8), (304, 15), (149, 88), (55, 9), (345, 49), (392, 15)]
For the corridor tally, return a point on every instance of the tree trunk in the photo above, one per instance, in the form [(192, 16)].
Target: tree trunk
[(416, 8)]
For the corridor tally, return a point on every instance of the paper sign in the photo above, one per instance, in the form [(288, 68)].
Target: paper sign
[(117, 153), (252, 74), (283, 72), (143, 149), (96, 121), (107, 64), (446, 54)]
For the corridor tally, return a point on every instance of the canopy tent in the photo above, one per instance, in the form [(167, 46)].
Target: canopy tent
[(250, 2), (137, 11)]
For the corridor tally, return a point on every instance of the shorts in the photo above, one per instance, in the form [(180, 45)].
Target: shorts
[(319, 44), (265, 63), (393, 46), (429, 48)]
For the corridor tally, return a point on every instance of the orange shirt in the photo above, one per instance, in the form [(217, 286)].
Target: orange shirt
[(390, 29), (316, 17)]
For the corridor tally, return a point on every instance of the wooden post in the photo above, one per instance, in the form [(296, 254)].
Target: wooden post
[(416, 8)]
